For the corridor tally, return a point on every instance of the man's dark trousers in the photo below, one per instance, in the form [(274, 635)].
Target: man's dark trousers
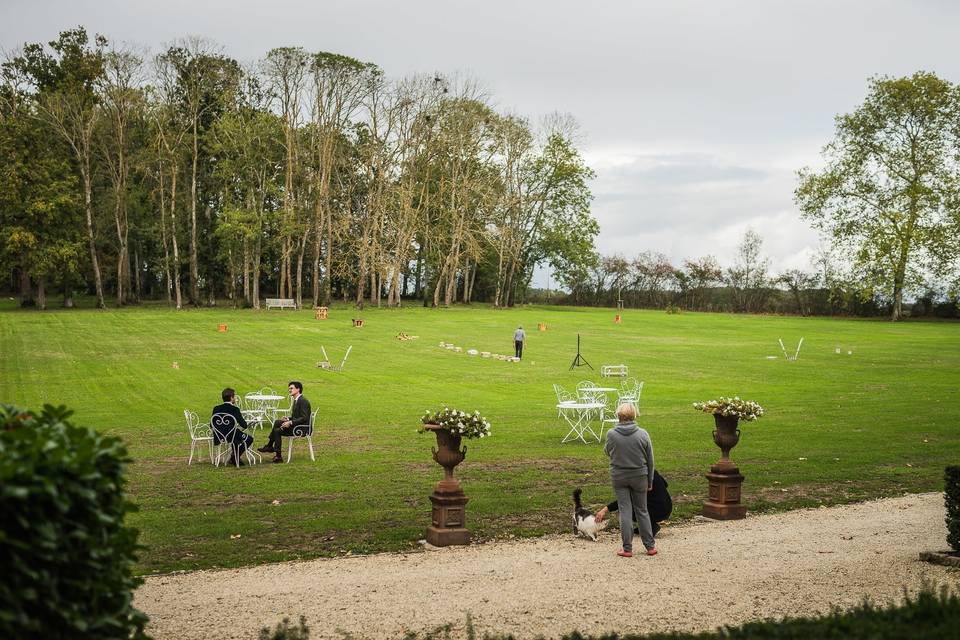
[(518, 346)]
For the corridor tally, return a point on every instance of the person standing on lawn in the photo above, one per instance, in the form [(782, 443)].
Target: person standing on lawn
[(299, 417), (518, 337), (631, 474)]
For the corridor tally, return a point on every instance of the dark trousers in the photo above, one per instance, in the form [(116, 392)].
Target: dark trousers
[(276, 435), (518, 346)]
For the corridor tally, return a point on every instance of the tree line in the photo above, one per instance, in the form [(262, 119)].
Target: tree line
[(829, 286), (189, 176)]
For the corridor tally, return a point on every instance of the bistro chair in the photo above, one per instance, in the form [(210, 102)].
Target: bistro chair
[(199, 433), (303, 431)]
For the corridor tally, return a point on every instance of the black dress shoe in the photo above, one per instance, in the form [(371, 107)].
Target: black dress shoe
[(266, 449), (277, 459)]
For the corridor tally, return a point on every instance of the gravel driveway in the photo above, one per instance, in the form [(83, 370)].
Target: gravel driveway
[(707, 574)]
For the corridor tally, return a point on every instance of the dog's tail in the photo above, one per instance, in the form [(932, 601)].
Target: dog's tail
[(576, 498)]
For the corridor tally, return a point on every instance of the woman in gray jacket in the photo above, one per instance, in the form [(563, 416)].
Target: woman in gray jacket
[(631, 473)]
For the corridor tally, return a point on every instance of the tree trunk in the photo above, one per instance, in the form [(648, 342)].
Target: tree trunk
[(173, 237), (42, 293), (194, 267), (88, 207), (137, 291)]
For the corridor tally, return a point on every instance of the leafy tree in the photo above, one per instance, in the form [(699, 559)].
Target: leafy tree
[(61, 81), (886, 193)]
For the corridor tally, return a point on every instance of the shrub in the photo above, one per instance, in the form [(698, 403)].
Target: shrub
[(951, 495), (285, 631), (67, 557)]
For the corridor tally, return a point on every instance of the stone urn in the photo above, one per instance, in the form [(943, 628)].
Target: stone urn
[(448, 524), (726, 436), (725, 479)]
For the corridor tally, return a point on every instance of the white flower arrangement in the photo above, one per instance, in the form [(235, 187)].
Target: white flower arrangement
[(742, 409), (461, 423)]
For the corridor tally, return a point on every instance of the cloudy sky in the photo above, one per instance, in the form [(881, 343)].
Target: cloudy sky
[(695, 115)]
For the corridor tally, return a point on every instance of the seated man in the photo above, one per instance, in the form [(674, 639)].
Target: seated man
[(659, 504), (299, 417), (240, 440)]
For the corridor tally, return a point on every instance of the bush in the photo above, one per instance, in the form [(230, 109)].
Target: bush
[(931, 615), (951, 495), (67, 557), (285, 631)]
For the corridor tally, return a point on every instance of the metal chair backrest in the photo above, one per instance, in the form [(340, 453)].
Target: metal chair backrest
[(223, 425), (301, 431)]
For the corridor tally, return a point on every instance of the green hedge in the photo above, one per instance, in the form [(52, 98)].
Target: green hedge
[(931, 615), (951, 495), (65, 553)]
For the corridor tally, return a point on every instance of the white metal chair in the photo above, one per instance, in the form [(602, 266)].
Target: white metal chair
[(631, 395), (303, 432), (224, 426), (198, 433), (563, 397)]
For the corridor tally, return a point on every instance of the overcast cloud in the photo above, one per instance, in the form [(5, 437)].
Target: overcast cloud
[(695, 115)]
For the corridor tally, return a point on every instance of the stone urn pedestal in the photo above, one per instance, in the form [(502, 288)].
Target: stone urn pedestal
[(448, 525), (725, 479)]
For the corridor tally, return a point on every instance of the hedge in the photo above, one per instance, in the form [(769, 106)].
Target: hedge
[(931, 615), (951, 495), (67, 557)]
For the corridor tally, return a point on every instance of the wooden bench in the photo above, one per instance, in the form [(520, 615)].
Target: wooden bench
[(611, 370), (281, 303)]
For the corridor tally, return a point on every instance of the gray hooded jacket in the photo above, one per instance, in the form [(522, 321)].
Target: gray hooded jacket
[(630, 451)]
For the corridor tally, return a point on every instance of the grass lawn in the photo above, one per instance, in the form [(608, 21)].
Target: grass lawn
[(838, 428)]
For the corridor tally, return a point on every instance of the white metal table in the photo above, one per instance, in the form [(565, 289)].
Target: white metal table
[(578, 416)]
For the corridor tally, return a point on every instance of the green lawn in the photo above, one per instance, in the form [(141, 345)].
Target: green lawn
[(838, 427)]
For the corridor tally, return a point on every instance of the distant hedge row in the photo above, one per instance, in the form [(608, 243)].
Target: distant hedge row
[(66, 556)]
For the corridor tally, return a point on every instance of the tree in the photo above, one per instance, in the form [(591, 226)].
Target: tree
[(890, 177), (40, 211), (748, 276), (63, 84), (206, 82)]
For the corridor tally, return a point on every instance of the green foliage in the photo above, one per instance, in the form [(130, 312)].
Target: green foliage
[(285, 631), (887, 194), (930, 615), (67, 557), (952, 499)]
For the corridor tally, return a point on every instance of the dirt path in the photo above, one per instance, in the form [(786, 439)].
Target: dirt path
[(707, 574)]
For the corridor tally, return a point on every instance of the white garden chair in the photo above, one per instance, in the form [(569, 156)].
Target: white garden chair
[(631, 395), (563, 397), (199, 433), (224, 426), (303, 432)]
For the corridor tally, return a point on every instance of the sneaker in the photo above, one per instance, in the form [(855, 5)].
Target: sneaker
[(626, 554), (652, 551)]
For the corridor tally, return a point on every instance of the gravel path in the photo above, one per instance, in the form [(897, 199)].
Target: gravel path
[(708, 573)]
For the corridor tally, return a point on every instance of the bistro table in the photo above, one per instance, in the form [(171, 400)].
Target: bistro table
[(578, 416), (266, 405)]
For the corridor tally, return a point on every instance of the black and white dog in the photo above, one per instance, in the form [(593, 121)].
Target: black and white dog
[(584, 522)]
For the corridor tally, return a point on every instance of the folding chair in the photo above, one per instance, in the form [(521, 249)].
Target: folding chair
[(326, 365), (303, 432)]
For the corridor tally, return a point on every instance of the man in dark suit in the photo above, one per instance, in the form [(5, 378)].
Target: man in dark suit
[(299, 417), (223, 428)]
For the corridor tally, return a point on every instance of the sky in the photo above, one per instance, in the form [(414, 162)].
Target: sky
[(695, 115)]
